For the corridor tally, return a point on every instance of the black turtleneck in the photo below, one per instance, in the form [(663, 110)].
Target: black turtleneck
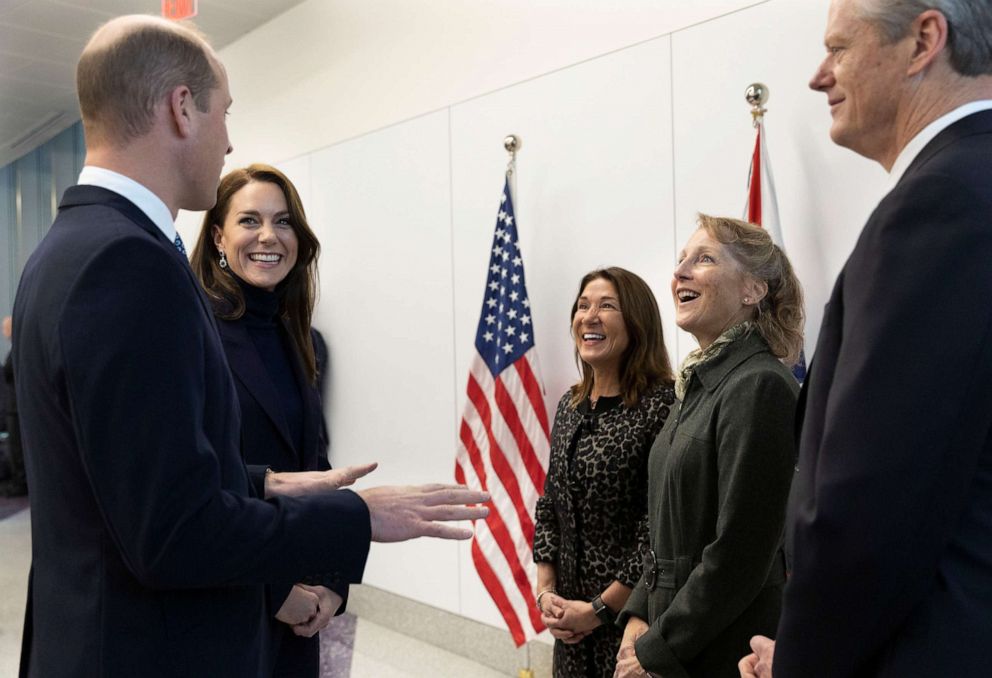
[(276, 350)]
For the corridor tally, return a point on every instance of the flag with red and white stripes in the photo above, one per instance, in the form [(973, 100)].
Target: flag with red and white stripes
[(503, 441), (762, 207), (762, 204)]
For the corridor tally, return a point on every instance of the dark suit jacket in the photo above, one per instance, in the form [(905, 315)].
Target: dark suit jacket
[(149, 556), (890, 517)]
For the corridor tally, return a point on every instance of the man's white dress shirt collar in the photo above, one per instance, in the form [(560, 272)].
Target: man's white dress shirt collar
[(145, 200), (908, 154)]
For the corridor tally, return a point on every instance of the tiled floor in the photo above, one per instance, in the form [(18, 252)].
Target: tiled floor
[(383, 653), (15, 547), (375, 651)]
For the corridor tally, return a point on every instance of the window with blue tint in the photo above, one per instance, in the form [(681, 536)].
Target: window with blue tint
[(30, 190)]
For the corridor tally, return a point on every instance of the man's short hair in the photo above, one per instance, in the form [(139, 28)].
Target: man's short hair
[(969, 22), (120, 83)]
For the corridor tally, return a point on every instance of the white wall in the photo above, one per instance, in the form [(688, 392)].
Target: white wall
[(330, 70), (390, 117)]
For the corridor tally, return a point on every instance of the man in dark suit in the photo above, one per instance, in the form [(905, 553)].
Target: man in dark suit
[(890, 517), (149, 554)]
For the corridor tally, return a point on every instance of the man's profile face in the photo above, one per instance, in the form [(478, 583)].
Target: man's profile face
[(210, 145), (863, 80)]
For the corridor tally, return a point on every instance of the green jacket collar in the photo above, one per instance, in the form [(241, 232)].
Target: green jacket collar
[(712, 372)]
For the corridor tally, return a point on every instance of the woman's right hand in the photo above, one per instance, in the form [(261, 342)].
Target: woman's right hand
[(328, 603), (299, 607)]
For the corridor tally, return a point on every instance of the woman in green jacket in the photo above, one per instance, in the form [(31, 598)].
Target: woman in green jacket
[(719, 471)]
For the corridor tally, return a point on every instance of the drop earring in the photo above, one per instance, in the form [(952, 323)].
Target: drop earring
[(223, 259)]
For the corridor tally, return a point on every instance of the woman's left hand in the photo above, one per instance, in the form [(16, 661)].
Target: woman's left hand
[(299, 607), (304, 483), (552, 609), (576, 618), (328, 603)]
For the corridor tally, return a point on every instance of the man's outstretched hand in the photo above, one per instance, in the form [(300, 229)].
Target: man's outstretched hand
[(400, 513)]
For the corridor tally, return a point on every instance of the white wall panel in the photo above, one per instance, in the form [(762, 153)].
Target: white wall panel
[(298, 171), (380, 207), (327, 71)]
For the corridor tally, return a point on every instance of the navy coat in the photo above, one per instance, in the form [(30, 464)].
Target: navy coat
[(149, 554), (266, 438), (267, 443)]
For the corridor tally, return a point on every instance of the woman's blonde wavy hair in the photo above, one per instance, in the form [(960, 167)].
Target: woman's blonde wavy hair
[(780, 315)]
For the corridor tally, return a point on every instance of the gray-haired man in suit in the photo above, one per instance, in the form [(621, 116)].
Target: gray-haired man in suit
[(890, 518)]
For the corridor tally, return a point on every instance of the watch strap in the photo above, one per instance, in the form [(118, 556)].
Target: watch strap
[(602, 611)]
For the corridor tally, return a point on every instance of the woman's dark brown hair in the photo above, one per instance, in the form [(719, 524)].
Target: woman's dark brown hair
[(645, 363), (299, 289)]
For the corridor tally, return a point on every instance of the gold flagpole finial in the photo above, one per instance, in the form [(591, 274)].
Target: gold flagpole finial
[(756, 94), (512, 144)]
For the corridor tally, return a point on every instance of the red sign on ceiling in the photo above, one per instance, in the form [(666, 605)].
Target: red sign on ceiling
[(178, 9)]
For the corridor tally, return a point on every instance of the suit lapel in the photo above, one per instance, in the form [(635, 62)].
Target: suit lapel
[(801, 405), (976, 123), (248, 368)]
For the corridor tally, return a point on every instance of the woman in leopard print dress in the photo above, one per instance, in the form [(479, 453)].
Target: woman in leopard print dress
[(591, 530)]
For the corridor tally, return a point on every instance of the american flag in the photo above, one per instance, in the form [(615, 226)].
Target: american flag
[(762, 208), (503, 439)]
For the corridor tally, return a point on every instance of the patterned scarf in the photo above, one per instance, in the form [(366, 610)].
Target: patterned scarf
[(701, 355)]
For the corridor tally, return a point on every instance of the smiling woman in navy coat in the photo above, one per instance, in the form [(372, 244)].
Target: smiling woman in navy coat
[(256, 257)]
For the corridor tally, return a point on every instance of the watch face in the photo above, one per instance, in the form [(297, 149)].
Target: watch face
[(600, 609)]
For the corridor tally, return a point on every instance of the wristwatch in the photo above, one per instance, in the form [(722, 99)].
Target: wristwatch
[(600, 609)]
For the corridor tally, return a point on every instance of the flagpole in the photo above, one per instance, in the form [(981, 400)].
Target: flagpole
[(512, 143)]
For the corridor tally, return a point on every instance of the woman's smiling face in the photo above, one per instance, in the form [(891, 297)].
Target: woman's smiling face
[(709, 289), (598, 326), (258, 236)]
